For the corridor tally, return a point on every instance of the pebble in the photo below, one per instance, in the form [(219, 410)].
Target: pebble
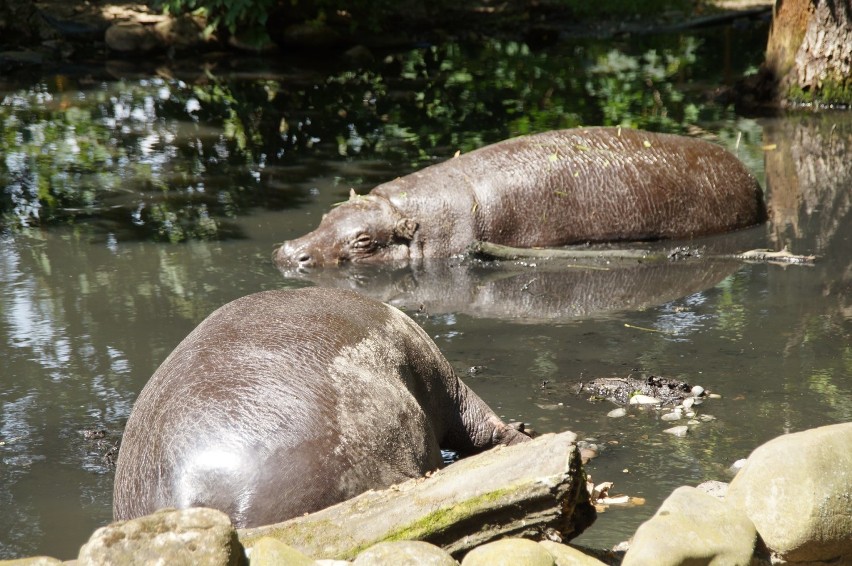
[(674, 416), (677, 430), (616, 413), (736, 466), (714, 396), (688, 402), (644, 400), (697, 391)]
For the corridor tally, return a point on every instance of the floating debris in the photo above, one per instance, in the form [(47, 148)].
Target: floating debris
[(621, 390), (600, 497)]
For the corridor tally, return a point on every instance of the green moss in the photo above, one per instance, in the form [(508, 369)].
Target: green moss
[(309, 533), (435, 522), (312, 535), (830, 92)]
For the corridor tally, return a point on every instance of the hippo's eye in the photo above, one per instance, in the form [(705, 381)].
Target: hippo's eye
[(362, 241)]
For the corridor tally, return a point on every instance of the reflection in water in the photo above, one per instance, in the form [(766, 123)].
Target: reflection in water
[(548, 292)]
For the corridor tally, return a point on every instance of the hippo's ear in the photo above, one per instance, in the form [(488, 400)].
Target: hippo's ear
[(405, 228), (352, 194)]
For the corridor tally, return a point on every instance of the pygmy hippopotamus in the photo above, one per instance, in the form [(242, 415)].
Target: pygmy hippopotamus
[(548, 189), (285, 402)]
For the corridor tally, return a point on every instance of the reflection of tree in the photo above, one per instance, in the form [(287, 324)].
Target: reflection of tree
[(808, 175), (141, 159)]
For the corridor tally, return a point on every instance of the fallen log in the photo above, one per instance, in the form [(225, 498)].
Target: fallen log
[(498, 251), (525, 490)]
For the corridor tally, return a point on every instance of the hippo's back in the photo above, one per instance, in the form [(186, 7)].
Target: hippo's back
[(588, 184), (281, 403)]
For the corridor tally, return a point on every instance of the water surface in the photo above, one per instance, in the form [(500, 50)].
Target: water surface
[(166, 197)]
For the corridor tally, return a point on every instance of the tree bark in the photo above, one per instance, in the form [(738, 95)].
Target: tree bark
[(810, 48), (523, 490)]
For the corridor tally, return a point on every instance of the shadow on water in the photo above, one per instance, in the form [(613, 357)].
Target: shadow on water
[(99, 174)]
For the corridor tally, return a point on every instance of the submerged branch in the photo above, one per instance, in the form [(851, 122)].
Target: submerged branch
[(488, 250)]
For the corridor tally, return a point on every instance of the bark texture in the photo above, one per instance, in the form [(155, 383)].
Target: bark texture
[(810, 47)]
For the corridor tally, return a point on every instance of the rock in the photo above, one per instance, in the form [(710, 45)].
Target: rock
[(737, 466), (184, 32), (691, 527), (132, 38), (717, 489), (617, 413), (272, 552), (644, 400), (677, 430), (673, 416), (32, 561), (404, 553), (797, 489), (697, 391), (565, 555), (509, 552), (169, 536)]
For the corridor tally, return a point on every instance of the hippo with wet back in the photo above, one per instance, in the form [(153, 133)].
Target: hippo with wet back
[(285, 402), (548, 189)]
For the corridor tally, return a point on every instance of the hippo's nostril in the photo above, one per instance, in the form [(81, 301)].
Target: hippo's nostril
[(304, 257)]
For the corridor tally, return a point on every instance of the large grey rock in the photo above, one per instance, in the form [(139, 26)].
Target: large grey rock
[(691, 527), (509, 552), (404, 553), (797, 490), (565, 555), (272, 552), (197, 536)]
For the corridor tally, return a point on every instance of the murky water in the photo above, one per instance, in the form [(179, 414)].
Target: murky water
[(91, 304)]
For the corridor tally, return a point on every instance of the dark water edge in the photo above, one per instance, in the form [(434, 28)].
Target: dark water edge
[(94, 299)]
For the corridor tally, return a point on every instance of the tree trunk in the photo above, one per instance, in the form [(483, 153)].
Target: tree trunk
[(809, 52), (523, 490)]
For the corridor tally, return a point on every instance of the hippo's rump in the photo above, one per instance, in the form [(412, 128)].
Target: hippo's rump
[(273, 389)]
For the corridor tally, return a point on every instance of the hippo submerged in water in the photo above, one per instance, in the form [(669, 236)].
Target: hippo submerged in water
[(548, 189), (285, 402)]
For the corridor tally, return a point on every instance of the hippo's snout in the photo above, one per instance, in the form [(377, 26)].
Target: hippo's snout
[(290, 255)]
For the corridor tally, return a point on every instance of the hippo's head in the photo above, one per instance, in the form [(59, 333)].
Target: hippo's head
[(363, 229)]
